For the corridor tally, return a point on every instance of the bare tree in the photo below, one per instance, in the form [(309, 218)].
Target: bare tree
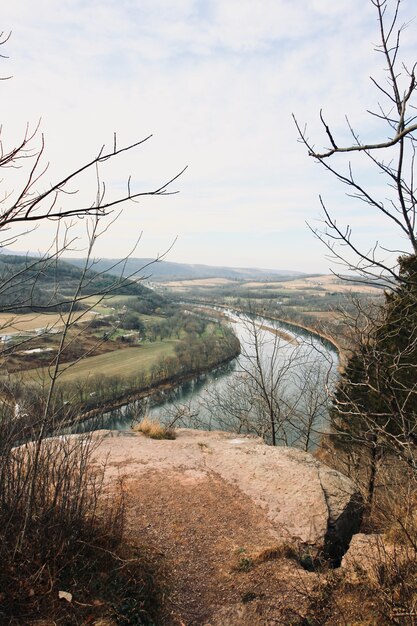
[(52, 514), (280, 388), (375, 400), (374, 416), (393, 157)]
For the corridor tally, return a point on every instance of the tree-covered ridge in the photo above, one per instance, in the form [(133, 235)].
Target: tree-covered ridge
[(162, 270), (34, 284)]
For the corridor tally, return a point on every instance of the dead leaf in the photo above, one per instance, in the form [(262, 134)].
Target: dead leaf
[(65, 595)]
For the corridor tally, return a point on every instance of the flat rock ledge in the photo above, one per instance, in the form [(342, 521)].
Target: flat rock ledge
[(305, 502)]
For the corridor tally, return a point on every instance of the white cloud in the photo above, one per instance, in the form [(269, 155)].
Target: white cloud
[(216, 81)]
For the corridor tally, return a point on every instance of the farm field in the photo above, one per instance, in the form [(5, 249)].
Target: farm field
[(199, 282), (119, 300), (124, 363), (319, 302), (322, 283), (102, 304), (17, 323), (330, 283), (98, 303), (11, 323)]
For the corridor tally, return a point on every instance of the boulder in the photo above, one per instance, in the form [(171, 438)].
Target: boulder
[(306, 502), (373, 558)]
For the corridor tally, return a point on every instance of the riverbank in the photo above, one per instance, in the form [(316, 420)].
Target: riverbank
[(322, 336), (166, 392), (290, 324), (160, 387)]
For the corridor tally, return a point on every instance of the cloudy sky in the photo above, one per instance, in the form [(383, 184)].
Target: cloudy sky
[(215, 82)]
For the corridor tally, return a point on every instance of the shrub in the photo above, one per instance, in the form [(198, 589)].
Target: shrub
[(61, 529), (154, 429)]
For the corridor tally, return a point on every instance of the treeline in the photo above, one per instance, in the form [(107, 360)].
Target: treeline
[(155, 319), (299, 307), (30, 284), (194, 354)]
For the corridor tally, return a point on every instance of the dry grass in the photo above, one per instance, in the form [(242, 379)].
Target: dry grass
[(329, 283), (198, 282), (11, 323), (154, 429), (377, 583), (61, 529)]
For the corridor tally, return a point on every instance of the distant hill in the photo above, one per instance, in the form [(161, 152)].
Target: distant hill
[(168, 270), (33, 283)]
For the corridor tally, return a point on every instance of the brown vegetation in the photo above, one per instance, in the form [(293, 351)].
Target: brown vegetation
[(61, 530), (154, 429)]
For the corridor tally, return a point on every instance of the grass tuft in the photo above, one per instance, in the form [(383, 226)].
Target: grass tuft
[(154, 429)]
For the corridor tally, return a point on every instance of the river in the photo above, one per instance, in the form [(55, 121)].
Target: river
[(297, 371)]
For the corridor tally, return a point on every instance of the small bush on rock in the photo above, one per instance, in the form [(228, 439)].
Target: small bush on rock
[(154, 429)]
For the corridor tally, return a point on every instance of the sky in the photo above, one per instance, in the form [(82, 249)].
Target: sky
[(215, 82)]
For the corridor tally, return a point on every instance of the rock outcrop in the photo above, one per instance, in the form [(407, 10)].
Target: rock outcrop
[(305, 501), (371, 557)]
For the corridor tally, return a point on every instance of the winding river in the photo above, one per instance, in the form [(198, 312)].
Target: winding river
[(300, 367)]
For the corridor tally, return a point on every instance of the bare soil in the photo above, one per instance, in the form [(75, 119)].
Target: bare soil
[(210, 516), (216, 550)]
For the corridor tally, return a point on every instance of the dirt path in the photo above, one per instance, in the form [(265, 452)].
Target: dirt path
[(217, 550), (219, 513)]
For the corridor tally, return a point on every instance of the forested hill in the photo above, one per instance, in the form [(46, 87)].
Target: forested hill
[(33, 283), (168, 270)]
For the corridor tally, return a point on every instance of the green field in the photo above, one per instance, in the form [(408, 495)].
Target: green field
[(119, 300), (98, 304), (105, 304), (125, 363)]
